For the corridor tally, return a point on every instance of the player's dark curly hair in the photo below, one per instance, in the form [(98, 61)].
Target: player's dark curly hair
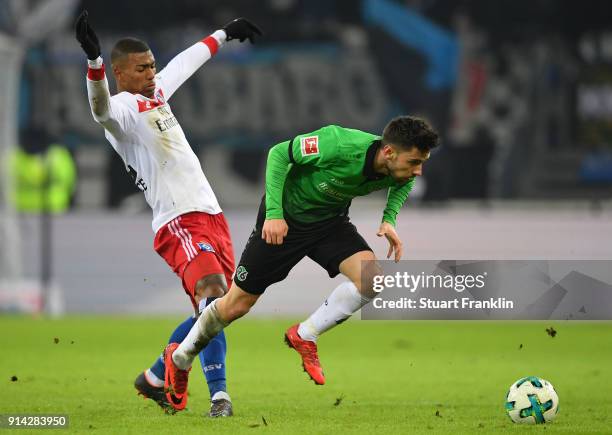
[(126, 46), (408, 131)]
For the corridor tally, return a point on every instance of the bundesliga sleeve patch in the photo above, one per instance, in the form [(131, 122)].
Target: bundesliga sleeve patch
[(309, 145)]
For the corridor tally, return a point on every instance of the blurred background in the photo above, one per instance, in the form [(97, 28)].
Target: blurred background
[(520, 91)]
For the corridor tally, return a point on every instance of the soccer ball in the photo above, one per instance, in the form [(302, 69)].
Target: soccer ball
[(532, 400)]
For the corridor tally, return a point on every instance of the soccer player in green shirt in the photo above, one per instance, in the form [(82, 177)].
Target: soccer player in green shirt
[(310, 182)]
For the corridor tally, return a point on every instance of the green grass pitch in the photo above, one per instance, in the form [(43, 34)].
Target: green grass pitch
[(382, 377)]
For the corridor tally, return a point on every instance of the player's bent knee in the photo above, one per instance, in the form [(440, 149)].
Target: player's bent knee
[(365, 283), (211, 286)]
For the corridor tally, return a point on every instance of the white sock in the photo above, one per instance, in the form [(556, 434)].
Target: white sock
[(339, 306), (202, 305), (153, 380), (221, 395), (208, 325)]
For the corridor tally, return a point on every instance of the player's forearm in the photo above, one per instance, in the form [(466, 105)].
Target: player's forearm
[(188, 61), (97, 90), (276, 174), (184, 64), (395, 201)]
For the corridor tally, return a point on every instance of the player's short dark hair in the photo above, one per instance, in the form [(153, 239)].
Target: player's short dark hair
[(126, 46), (408, 131)]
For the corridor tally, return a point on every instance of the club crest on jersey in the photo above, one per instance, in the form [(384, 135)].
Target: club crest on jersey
[(146, 105), (205, 247), (309, 145)]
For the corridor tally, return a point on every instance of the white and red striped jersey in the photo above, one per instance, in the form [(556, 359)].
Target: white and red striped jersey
[(149, 139)]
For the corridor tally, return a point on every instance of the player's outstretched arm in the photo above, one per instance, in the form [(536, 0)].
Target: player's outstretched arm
[(183, 65), (97, 86), (113, 117)]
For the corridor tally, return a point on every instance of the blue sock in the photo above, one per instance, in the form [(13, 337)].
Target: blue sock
[(212, 359), (159, 368)]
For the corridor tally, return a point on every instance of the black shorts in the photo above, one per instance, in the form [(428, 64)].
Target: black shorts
[(327, 242)]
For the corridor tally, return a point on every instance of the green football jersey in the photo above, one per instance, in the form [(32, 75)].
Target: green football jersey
[(316, 175)]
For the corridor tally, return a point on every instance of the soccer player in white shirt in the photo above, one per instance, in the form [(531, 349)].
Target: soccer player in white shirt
[(191, 233)]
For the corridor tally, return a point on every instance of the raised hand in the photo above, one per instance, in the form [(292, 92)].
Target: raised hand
[(87, 37), (242, 29)]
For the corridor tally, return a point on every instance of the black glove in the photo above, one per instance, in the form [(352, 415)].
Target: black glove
[(242, 29), (87, 37)]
